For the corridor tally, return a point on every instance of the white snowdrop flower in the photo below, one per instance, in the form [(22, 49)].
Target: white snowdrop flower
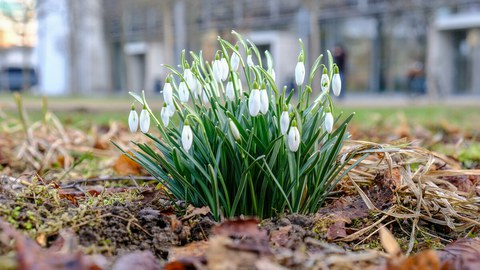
[(336, 82), (205, 99), (284, 122), (325, 81), (167, 91), (293, 138), (240, 88), (254, 102), (190, 79), (234, 61), (183, 93), (229, 92), (198, 90), (225, 69), (133, 120), (250, 60), (234, 129), (187, 136), (263, 101), (217, 70), (170, 109), (328, 124), (300, 71), (272, 73), (165, 114), (144, 120)]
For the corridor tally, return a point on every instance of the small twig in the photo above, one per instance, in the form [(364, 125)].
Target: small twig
[(106, 178), (134, 182)]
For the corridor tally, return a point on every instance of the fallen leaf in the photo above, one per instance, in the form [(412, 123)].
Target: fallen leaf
[(337, 230), (425, 260), (280, 237), (143, 260), (195, 211), (126, 166), (194, 249), (461, 254)]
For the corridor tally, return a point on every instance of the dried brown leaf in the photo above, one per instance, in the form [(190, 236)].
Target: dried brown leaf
[(126, 166), (461, 254)]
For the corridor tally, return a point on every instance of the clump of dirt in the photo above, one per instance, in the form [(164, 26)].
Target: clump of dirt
[(111, 229)]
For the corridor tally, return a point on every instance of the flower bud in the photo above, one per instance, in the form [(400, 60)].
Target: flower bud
[(328, 124), (234, 129), (133, 120), (284, 122), (224, 68), (217, 70), (299, 73), (144, 120), (167, 92), (183, 93), (254, 102), (165, 114), (325, 81), (293, 137), (336, 82), (229, 92), (263, 101), (190, 79), (234, 61), (187, 136), (205, 99)]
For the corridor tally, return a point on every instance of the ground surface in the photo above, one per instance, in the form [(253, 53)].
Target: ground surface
[(68, 200)]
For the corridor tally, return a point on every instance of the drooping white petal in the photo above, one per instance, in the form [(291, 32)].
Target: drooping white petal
[(167, 93), (263, 101), (144, 121), (325, 83), (165, 115), (183, 93), (328, 124), (229, 92), (187, 137), (234, 61), (217, 70), (299, 73), (133, 121), (225, 68), (293, 139), (234, 129), (336, 84), (284, 122), (254, 102), (250, 60)]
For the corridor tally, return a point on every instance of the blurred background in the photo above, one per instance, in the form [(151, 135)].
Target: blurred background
[(425, 48)]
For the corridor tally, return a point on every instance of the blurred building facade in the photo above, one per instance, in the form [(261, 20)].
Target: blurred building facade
[(17, 39), (410, 46), (71, 50)]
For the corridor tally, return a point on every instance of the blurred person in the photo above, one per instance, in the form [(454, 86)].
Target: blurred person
[(416, 79), (340, 58)]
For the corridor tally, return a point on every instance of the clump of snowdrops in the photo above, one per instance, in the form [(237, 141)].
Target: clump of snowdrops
[(233, 140)]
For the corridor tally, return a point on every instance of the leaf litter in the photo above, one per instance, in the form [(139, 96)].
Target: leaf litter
[(69, 200)]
